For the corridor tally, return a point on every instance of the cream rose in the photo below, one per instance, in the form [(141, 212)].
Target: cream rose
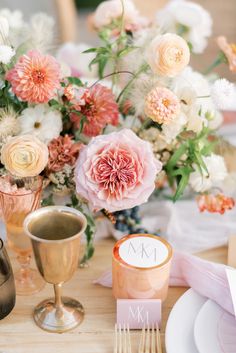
[(168, 54), (24, 156)]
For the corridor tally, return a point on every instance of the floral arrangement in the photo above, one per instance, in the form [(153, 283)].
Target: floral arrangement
[(148, 120)]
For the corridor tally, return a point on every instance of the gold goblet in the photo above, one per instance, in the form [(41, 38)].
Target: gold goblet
[(55, 233)]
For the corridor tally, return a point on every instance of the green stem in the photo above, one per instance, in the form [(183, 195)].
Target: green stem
[(142, 69), (116, 59), (219, 60), (112, 74), (122, 24)]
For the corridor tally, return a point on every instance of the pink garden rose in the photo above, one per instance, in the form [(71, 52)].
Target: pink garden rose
[(116, 171)]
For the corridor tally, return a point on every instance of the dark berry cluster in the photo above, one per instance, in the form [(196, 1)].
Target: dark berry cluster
[(129, 221)]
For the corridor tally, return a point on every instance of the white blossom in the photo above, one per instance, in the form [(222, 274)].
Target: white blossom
[(18, 29), (41, 121), (9, 124), (6, 54), (194, 93), (14, 18), (72, 55), (109, 10), (172, 130), (41, 32), (223, 94), (215, 174), (4, 29), (188, 19)]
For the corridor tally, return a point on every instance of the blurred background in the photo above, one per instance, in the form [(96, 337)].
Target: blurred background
[(72, 25)]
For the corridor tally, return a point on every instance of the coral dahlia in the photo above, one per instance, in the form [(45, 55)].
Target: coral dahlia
[(35, 77), (99, 107)]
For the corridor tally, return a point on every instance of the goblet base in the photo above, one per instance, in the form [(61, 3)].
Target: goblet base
[(28, 282), (58, 319)]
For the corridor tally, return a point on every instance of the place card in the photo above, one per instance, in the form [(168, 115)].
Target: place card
[(138, 312), (231, 275)]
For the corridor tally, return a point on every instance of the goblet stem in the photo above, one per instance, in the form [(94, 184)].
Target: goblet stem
[(24, 262), (59, 306), (57, 291)]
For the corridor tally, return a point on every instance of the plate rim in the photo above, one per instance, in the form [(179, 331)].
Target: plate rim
[(190, 292)]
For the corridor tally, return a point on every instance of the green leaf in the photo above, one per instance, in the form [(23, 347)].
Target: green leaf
[(54, 103), (48, 201), (101, 66), (91, 50), (199, 160), (79, 131), (94, 61), (75, 81), (209, 148), (176, 156), (125, 51), (184, 174), (182, 29)]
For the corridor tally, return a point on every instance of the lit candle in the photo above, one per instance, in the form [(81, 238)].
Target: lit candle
[(141, 267)]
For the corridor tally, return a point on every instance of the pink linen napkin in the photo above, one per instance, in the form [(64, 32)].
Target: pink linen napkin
[(207, 278)]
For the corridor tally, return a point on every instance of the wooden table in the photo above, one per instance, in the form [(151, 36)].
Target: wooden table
[(19, 334)]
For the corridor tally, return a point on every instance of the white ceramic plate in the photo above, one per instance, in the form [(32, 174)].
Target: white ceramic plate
[(180, 325), (215, 330)]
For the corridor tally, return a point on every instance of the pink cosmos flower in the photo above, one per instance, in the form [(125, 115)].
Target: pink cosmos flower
[(62, 150), (35, 77), (215, 203), (162, 105), (116, 171), (99, 107)]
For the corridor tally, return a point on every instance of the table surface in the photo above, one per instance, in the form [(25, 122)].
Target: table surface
[(19, 334)]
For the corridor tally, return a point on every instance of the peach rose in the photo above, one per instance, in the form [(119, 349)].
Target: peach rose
[(229, 50), (168, 54), (24, 156)]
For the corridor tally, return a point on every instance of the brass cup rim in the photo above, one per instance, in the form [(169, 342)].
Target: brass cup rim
[(59, 209)]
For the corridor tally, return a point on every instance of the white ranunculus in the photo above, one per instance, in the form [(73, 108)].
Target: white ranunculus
[(6, 54), (41, 121), (4, 29), (217, 172), (191, 19)]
